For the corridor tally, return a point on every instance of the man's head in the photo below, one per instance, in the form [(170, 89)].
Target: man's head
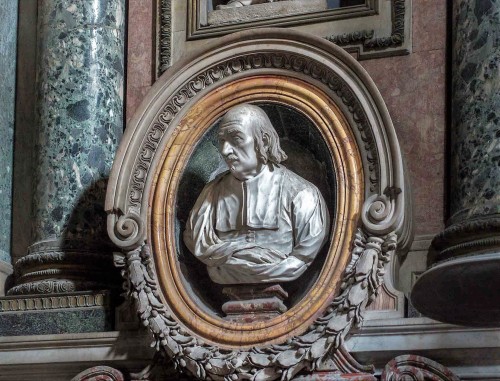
[(248, 141)]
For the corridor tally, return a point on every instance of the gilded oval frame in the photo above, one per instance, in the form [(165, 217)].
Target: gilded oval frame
[(312, 102)]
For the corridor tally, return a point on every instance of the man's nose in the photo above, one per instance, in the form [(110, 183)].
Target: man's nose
[(226, 149)]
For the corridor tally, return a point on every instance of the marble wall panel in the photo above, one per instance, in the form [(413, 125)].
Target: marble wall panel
[(413, 88), (8, 40), (140, 53)]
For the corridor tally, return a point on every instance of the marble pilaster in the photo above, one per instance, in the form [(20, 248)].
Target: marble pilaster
[(463, 282), (80, 74), (8, 43)]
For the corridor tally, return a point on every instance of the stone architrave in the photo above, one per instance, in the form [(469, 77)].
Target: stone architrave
[(462, 284), (79, 114)]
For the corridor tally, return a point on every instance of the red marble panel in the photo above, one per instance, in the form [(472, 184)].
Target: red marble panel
[(413, 88), (429, 25), (140, 53)]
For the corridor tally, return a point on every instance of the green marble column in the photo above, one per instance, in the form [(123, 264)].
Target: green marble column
[(462, 284), (80, 75), (8, 41)]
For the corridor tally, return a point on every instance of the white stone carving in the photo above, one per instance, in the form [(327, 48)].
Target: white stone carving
[(259, 222)]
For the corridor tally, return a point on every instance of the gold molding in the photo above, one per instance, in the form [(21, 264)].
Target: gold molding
[(326, 116)]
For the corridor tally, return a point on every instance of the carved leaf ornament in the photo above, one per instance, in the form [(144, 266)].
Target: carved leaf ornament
[(381, 222)]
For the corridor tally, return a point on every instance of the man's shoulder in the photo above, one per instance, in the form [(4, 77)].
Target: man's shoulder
[(294, 180), (294, 184)]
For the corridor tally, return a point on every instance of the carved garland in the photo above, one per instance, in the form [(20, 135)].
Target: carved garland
[(362, 278), (129, 226)]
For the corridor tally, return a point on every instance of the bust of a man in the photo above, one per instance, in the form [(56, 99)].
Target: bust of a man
[(258, 222)]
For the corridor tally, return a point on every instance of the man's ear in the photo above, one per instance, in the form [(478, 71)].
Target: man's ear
[(265, 141)]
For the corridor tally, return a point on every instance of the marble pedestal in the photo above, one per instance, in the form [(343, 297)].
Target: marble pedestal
[(79, 312), (254, 303)]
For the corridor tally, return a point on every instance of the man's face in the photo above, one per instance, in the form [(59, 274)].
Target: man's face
[(237, 146)]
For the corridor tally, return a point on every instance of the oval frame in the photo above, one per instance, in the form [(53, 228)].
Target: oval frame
[(315, 105), (383, 225)]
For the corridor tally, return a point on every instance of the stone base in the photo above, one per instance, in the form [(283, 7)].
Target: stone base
[(254, 303), (64, 267), (6, 270), (56, 314), (463, 290)]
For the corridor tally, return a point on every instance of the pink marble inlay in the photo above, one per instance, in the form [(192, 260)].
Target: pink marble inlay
[(413, 88), (140, 53)]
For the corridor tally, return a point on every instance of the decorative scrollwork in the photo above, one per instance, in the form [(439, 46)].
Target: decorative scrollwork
[(397, 36), (362, 278), (165, 32), (128, 229), (379, 214), (351, 38), (366, 37)]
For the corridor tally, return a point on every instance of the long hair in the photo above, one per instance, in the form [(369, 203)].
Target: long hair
[(261, 128)]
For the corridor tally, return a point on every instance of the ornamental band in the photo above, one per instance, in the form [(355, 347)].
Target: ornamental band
[(258, 222)]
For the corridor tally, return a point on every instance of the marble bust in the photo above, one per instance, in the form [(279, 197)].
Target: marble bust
[(258, 222)]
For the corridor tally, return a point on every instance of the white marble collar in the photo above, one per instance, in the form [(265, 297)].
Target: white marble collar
[(261, 196)]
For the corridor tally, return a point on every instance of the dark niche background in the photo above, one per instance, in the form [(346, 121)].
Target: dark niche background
[(308, 156)]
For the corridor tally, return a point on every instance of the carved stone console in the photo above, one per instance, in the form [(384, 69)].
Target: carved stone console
[(99, 373), (166, 205), (416, 368)]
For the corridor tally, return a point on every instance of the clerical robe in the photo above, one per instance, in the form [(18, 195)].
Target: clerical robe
[(265, 229)]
